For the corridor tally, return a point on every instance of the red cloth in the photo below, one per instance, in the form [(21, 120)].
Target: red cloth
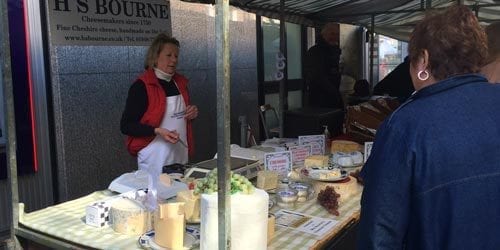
[(156, 110)]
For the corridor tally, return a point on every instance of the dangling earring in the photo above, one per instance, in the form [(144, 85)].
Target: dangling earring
[(419, 75)]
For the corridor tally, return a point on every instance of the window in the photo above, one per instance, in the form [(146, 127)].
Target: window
[(271, 47), (391, 53)]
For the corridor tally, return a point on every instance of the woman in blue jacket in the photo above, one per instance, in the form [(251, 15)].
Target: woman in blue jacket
[(432, 180)]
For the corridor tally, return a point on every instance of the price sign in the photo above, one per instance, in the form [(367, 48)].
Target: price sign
[(280, 162), (317, 143)]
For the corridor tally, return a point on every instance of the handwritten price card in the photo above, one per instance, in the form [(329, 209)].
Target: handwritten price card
[(280, 162), (300, 153), (317, 143)]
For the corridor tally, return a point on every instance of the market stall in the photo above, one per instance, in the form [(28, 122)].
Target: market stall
[(63, 225)]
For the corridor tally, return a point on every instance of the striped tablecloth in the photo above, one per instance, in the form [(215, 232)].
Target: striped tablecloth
[(286, 238), (67, 221)]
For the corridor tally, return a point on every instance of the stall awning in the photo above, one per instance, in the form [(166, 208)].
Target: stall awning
[(392, 18)]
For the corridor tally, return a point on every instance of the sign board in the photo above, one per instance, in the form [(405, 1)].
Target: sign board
[(280, 162), (368, 149), (107, 22), (300, 153), (317, 143)]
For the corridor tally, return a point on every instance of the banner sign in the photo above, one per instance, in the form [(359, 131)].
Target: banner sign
[(108, 22)]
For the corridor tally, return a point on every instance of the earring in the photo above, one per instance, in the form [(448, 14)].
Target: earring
[(419, 75)]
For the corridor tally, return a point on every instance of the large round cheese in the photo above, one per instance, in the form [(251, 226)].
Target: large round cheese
[(248, 221), (129, 217), (346, 188)]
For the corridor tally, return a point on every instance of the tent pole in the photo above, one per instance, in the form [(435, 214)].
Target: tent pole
[(372, 51), (283, 94), (10, 126), (223, 123)]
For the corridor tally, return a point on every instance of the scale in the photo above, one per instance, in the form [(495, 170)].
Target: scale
[(244, 167)]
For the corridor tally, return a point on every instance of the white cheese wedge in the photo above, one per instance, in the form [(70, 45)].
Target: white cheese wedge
[(267, 180)]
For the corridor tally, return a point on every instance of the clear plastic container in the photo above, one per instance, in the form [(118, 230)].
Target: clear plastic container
[(286, 198)]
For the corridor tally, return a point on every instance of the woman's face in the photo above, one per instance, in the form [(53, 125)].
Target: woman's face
[(167, 59)]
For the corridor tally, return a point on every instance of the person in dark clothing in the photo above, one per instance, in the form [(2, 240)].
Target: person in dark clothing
[(322, 69), (397, 83)]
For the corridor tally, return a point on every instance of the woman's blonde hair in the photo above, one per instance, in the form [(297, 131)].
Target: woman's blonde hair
[(156, 47)]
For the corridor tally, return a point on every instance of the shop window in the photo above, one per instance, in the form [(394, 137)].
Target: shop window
[(271, 47), (391, 53)]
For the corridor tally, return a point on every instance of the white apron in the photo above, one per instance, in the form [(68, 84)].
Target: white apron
[(159, 152)]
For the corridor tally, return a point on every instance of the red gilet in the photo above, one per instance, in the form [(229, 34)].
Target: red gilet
[(156, 109)]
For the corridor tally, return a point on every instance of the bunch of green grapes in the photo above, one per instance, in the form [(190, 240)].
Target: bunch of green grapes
[(208, 184)]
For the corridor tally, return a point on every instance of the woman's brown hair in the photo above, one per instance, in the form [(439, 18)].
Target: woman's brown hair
[(455, 41), (156, 47)]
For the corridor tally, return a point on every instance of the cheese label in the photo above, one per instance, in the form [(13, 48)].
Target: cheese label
[(280, 162), (317, 143), (300, 153)]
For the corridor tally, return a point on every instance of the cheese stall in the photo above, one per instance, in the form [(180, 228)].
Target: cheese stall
[(287, 193), (306, 209)]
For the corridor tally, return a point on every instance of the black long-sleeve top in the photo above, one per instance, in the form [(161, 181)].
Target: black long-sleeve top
[(137, 104)]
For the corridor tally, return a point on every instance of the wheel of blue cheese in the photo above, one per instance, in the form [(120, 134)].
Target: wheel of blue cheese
[(129, 217)]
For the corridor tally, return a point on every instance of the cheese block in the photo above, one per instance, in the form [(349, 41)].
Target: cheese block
[(267, 180), (191, 206), (346, 188), (345, 146), (316, 161), (169, 225), (129, 217)]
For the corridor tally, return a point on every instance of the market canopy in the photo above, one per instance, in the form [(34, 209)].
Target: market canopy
[(391, 18)]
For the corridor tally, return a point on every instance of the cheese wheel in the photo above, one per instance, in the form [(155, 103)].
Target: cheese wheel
[(129, 217), (345, 146), (345, 188)]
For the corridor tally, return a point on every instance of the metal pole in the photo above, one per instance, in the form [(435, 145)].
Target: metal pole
[(283, 95), (10, 125), (243, 131), (223, 123), (372, 51)]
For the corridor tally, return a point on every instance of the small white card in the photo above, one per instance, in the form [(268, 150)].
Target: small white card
[(304, 223), (317, 143), (300, 153), (368, 149), (280, 162)]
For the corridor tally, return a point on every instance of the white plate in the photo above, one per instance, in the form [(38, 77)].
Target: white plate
[(191, 239), (315, 175)]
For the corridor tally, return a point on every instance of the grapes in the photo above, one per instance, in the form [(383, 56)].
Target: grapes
[(328, 198), (238, 183)]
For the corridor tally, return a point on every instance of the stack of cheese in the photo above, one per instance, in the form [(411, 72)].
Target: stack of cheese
[(249, 221)]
